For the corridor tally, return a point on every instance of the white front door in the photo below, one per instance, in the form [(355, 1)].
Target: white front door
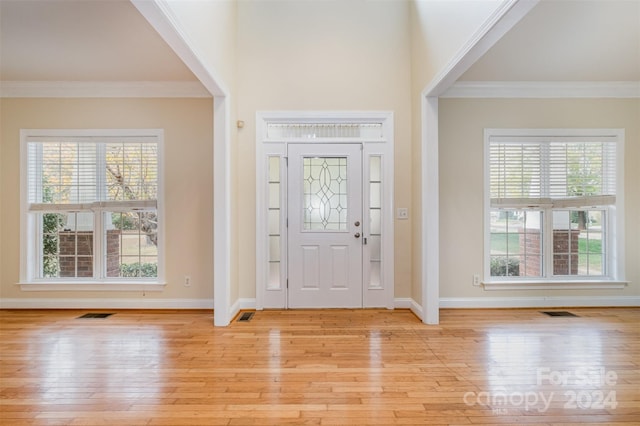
[(325, 225)]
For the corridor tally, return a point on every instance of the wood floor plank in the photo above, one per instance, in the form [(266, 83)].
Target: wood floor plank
[(320, 367)]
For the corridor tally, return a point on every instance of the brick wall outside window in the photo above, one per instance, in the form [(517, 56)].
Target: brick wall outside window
[(83, 253), (565, 247)]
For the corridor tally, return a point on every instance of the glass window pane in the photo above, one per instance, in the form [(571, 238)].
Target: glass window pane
[(274, 276), (591, 247), (67, 245), (375, 247), (131, 244), (52, 224), (131, 171), (274, 169), (274, 248), (375, 277), (374, 195), (68, 172), (274, 222), (516, 243), (148, 267), (325, 193), (375, 168), (324, 130), (567, 241), (530, 265), (375, 220), (274, 195), (499, 243), (594, 264), (375, 225)]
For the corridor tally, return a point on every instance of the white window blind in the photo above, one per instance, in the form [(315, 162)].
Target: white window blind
[(559, 172), (80, 173)]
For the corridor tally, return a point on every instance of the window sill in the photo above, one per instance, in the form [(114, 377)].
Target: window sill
[(554, 285), (92, 286)]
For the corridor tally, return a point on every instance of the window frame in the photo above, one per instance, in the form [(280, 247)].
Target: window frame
[(614, 251), (30, 241)]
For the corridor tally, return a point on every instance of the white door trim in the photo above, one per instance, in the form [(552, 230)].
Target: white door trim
[(270, 144)]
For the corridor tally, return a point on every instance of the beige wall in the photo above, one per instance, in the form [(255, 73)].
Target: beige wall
[(1, 198), (439, 30), (188, 158), (462, 123), (329, 55), (211, 28), (317, 55)]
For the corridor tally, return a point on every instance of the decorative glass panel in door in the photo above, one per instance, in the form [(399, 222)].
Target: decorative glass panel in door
[(325, 193)]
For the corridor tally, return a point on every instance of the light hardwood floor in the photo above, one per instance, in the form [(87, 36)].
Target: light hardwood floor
[(331, 367)]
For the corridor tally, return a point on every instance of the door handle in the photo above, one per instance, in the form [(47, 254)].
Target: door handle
[(357, 235)]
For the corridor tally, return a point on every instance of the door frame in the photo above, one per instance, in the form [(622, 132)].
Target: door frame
[(271, 145)]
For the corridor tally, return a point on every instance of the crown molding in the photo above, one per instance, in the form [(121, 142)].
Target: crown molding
[(543, 89), (103, 89)]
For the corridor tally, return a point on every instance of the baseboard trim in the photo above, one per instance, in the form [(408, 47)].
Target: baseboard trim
[(234, 310), (402, 303), (538, 302), (146, 303), (250, 303), (417, 309), (408, 303), (246, 303), (241, 304)]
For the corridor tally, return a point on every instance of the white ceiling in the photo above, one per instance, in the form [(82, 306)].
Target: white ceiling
[(108, 40), (83, 40), (567, 40)]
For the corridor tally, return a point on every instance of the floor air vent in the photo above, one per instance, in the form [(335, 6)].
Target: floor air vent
[(559, 314), (94, 315), (246, 316)]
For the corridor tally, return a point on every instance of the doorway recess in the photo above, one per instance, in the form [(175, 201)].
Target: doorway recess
[(276, 133)]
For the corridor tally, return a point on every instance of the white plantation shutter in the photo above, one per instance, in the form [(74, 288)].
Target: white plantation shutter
[(562, 172)]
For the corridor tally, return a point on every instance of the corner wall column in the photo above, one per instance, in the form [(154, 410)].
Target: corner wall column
[(221, 212), (430, 212)]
